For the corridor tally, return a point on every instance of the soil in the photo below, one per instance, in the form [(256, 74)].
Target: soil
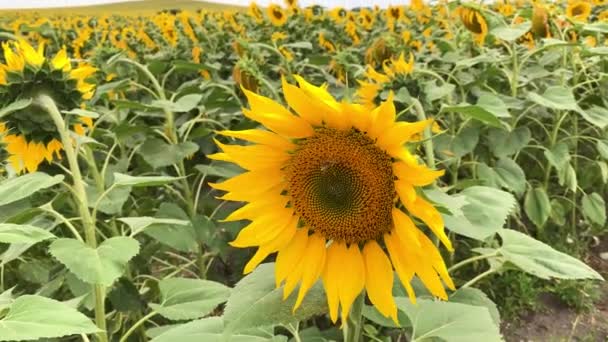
[(557, 322)]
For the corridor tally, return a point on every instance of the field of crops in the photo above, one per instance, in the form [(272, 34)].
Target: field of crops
[(416, 173)]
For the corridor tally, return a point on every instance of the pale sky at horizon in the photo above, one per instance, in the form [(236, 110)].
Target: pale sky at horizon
[(19, 4)]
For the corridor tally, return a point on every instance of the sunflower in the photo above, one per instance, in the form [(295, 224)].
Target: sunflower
[(277, 15), (368, 91), (326, 189), (255, 13), (29, 135), (394, 13), (474, 21), (540, 22), (578, 10)]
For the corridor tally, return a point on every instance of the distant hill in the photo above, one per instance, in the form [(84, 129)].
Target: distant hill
[(130, 7)]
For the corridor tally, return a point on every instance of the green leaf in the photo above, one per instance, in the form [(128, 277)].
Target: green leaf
[(475, 112), (599, 26), (537, 206), (158, 153), (504, 143), (594, 208), (370, 312), (555, 97), (450, 322), (476, 297), (34, 317), (541, 260), (186, 299), (182, 236), (299, 45), (595, 115), (603, 170), (187, 103), (112, 202), (510, 175), (484, 214), (81, 112), (510, 34), (126, 180), (102, 265), (219, 169), (6, 298), (602, 148), (22, 233), (434, 92), (255, 302), (208, 330), (15, 106), (139, 224), (493, 104), (558, 156), (14, 189)]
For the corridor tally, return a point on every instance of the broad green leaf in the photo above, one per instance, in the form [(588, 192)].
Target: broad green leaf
[(6, 298), (187, 103), (34, 317), (181, 236), (208, 330), (555, 97), (448, 321), (473, 296), (158, 153), (599, 26), (459, 145), (219, 169), (186, 299), (102, 265), (603, 170), (510, 34), (14, 189), (370, 312), (112, 202), (558, 156), (22, 233), (537, 206), (15, 106), (602, 148), (568, 178), (434, 92), (81, 112), (493, 104), (510, 175), (504, 143), (541, 260), (485, 213), (595, 115), (476, 112), (299, 45), (127, 180), (256, 301), (139, 224), (15, 250), (594, 208)]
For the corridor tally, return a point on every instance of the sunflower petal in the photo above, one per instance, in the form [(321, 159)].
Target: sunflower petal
[(404, 272), (290, 255), (279, 242), (262, 137), (332, 276), (352, 285), (379, 280), (302, 104), (313, 264)]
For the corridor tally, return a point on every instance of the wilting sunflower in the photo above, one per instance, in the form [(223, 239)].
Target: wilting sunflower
[(474, 21), (29, 135), (277, 16), (540, 22), (578, 10), (326, 189)]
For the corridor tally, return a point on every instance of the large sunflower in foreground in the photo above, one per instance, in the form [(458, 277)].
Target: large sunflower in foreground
[(326, 189)]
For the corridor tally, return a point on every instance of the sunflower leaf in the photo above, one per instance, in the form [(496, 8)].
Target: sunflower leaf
[(14, 189)]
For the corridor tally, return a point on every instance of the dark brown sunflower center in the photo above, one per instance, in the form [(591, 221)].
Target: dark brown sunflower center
[(277, 13), (342, 185)]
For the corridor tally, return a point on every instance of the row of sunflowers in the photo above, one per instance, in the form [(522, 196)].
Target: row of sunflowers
[(389, 166)]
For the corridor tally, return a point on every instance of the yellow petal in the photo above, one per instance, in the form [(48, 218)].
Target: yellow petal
[(259, 136), (265, 250), (353, 284), (276, 117), (332, 276), (313, 263), (405, 191), (258, 207), (290, 255), (405, 229), (404, 271), (416, 174), (433, 255), (251, 183), (265, 228), (302, 104), (430, 216), (383, 117), (392, 139), (254, 157), (379, 280)]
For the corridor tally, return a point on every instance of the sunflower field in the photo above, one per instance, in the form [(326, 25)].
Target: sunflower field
[(421, 172)]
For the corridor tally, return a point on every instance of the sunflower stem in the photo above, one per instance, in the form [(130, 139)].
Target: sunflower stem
[(352, 328), (427, 134), (80, 197)]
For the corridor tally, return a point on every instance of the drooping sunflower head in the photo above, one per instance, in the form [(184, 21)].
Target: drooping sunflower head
[(578, 10), (255, 12), (540, 22), (30, 134), (277, 15), (334, 190), (475, 22), (246, 74)]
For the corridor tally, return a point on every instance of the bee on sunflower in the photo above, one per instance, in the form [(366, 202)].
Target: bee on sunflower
[(326, 190), (29, 134)]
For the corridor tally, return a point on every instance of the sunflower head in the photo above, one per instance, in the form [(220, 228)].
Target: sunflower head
[(334, 192), (246, 74), (277, 15), (475, 22), (540, 22), (30, 133), (381, 49), (578, 10)]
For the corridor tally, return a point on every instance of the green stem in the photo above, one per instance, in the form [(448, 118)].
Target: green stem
[(352, 328), (478, 278), (472, 260), (427, 134), (137, 325), (515, 76), (80, 197)]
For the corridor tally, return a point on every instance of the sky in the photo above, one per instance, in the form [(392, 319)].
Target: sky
[(7, 4)]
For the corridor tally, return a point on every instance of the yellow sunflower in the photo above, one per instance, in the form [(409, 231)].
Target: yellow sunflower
[(326, 189), (277, 16), (474, 21), (578, 10)]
